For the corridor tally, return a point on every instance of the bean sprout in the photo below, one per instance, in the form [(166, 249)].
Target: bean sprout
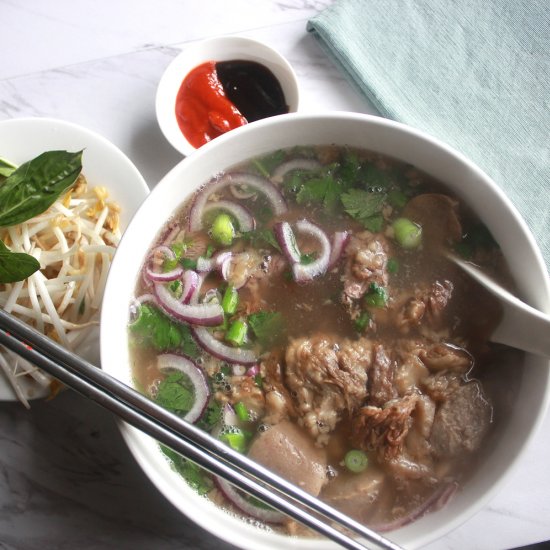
[(74, 241)]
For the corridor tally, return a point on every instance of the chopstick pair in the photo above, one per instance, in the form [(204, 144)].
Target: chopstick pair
[(182, 437)]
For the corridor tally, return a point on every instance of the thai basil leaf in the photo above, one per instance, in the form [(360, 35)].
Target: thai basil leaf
[(37, 184), (16, 266), (6, 168)]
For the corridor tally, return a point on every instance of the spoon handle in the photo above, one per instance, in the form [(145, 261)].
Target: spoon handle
[(522, 327), (525, 328)]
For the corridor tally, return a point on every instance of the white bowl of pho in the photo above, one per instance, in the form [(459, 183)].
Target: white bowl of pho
[(286, 288)]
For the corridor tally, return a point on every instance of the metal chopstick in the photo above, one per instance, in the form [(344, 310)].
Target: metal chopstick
[(179, 435)]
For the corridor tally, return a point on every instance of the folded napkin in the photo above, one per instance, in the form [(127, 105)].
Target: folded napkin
[(474, 74)]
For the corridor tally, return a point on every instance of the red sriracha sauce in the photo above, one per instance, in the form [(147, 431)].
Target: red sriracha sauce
[(203, 111), (216, 97)]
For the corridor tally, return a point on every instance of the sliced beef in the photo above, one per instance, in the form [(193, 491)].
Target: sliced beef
[(355, 494), (290, 452), (381, 375), (366, 258), (446, 357), (425, 305), (326, 379), (461, 421), (383, 429), (404, 467), (278, 403)]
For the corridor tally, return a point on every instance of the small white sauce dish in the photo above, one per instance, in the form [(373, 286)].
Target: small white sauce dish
[(223, 48)]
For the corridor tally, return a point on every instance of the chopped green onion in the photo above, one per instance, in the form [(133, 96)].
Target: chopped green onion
[(356, 461), (236, 334), (393, 266), (407, 233), (176, 288), (258, 380), (223, 230), (362, 321), (169, 264), (376, 296), (236, 440), (230, 300), (242, 411), (209, 251)]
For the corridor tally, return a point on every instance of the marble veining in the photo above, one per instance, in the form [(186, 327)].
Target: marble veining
[(67, 480)]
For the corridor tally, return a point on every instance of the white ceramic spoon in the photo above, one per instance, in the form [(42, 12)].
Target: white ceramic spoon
[(522, 326)]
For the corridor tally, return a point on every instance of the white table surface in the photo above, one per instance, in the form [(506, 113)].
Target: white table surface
[(67, 481)]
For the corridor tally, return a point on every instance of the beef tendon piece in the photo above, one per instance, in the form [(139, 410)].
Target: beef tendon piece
[(290, 452), (447, 357), (384, 429), (326, 380), (425, 305), (366, 259), (355, 494), (381, 376)]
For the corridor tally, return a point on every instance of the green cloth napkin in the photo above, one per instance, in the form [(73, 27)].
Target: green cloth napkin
[(475, 74)]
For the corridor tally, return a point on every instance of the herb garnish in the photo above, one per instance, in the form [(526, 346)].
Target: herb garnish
[(16, 266), (28, 191)]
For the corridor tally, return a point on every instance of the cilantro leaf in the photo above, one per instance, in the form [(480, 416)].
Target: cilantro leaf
[(194, 475), (325, 191), (153, 328), (175, 393), (365, 207), (267, 326), (260, 238)]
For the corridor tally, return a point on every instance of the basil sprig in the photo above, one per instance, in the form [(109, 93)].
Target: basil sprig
[(36, 185), (28, 191), (6, 168), (16, 266)]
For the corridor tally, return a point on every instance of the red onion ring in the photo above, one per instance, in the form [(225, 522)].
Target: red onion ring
[(190, 281), (243, 216), (172, 361), (433, 503), (162, 276), (241, 193), (306, 272), (213, 346), (205, 265), (267, 515), (295, 164), (144, 298), (273, 194), (339, 241), (195, 314), (253, 371), (287, 241)]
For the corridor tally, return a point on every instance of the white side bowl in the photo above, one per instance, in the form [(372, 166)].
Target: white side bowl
[(386, 137), (22, 139), (223, 48)]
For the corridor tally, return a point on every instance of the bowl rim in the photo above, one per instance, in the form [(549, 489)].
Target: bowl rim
[(220, 48), (136, 443)]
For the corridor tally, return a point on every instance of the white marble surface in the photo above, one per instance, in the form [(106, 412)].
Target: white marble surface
[(66, 478)]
